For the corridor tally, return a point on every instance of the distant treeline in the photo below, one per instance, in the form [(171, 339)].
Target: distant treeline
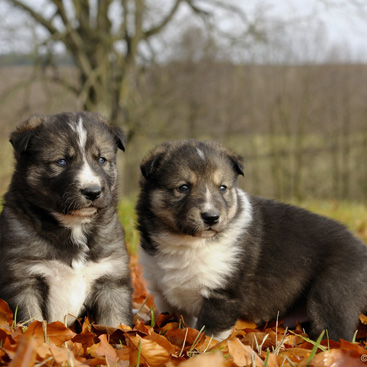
[(19, 59), (302, 129)]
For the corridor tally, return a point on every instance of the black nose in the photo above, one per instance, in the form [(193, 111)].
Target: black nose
[(92, 192), (210, 218)]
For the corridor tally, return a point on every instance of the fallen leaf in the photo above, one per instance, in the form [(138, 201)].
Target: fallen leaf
[(150, 351), (205, 360), (26, 353), (6, 315), (243, 355), (334, 358), (363, 319), (65, 357), (103, 349), (57, 333)]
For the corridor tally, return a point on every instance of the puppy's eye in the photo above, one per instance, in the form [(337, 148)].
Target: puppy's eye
[(62, 162), (102, 161), (222, 188), (184, 189)]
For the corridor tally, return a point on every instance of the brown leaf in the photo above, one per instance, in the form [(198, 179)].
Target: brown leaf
[(163, 342), (334, 358), (243, 355), (65, 357), (103, 349), (26, 353), (205, 360), (6, 316), (363, 319), (296, 355), (57, 332), (188, 335), (150, 351)]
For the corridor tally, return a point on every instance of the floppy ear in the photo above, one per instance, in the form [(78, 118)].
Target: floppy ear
[(119, 137), (21, 137), (237, 164), (149, 166)]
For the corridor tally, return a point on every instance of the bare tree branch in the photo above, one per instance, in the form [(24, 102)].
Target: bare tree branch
[(36, 16), (158, 28)]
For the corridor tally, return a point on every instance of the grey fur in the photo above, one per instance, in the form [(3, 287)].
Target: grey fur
[(62, 247), (279, 257)]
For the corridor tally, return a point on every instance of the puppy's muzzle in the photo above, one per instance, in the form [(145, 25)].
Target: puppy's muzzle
[(92, 192), (210, 218)]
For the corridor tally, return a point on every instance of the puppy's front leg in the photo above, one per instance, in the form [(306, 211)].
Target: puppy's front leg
[(110, 301), (219, 314), (29, 301)]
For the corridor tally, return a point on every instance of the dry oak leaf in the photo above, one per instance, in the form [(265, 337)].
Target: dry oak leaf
[(334, 358), (57, 332), (104, 349), (151, 352), (243, 355), (65, 357), (6, 316), (205, 360), (26, 353)]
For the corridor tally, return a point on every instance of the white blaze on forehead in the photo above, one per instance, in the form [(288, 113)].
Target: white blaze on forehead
[(81, 132), (86, 175), (200, 153)]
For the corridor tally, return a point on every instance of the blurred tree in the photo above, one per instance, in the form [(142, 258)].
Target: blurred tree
[(108, 41)]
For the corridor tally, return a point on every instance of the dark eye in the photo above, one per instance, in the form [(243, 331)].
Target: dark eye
[(62, 162), (183, 189), (222, 188), (102, 161)]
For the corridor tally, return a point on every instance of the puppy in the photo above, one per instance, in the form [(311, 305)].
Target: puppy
[(62, 250), (214, 254)]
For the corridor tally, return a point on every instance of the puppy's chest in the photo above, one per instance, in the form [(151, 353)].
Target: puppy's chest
[(68, 286), (188, 275)]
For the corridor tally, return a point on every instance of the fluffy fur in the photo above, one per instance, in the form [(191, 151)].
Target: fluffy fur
[(62, 250), (214, 254)]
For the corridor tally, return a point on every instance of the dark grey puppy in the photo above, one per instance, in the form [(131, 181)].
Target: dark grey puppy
[(62, 250), (215, 254)]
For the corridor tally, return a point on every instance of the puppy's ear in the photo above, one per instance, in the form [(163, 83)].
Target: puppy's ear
[(119, 137), (21, 137), (237, 163), (149, 166), (115, 131)]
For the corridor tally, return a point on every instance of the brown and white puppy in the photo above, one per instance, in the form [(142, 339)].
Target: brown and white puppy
[(214, 254), (62, 250)]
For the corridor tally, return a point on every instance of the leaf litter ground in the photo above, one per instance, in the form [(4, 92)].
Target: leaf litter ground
[(165, 340)]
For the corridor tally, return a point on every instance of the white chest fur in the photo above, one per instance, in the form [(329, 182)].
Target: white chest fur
[(70, 286), (185, 269)]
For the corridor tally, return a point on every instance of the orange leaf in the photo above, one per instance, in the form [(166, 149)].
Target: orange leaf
[(154, 354), (6, 316), (65, 357), (163, 342), (205, 360), (57, 332), (363, 319), (103, 349), (188, 335), (25, 356), (335, 358), (243, 355)]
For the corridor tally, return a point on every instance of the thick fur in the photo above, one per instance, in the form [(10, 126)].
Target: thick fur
[(62, 250), (253, 258)]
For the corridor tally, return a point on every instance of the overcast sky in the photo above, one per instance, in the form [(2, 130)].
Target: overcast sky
[(341, 22)]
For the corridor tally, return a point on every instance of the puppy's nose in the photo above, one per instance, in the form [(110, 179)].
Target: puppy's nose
[(92, 192), (210, 218)]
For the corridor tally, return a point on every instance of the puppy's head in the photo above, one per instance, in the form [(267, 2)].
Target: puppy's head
[(190, 186), (66, 163)]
